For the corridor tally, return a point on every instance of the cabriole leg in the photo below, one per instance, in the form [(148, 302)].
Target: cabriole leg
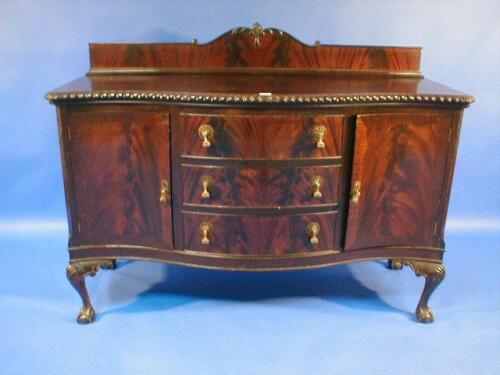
[(76, 273), (434, 273)]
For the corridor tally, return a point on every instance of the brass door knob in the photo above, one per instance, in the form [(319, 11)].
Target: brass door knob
[(206, 132), (356, 192), (164, 191), (319, 133), (313, 231), (317, 183), (206, 232), (206, 184)]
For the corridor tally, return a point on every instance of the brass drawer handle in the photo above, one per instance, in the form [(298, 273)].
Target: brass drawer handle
[(206, 231), (206, 184), (317, 183), (319, 133), (313, 231), (206, 132), (164, 191), (356, 192)]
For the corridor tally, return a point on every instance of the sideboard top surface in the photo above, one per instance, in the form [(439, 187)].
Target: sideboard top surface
[(257, 66)]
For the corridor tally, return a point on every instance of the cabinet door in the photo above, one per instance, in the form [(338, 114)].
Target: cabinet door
[(119, 160), (399, 167)]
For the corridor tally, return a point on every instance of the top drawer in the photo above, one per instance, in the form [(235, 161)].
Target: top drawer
[(262, 137)]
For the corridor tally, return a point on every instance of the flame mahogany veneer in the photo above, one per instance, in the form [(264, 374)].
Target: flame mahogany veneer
[(257, 152)]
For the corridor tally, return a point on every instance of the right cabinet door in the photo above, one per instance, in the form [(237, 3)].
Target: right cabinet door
[(398, 174)]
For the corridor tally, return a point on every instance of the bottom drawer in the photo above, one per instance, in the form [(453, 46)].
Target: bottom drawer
[(259, 235)]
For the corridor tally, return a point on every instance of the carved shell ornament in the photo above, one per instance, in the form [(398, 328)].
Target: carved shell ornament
[(257, 32)]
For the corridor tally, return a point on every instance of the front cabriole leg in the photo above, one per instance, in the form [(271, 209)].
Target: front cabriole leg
[(76, 273), (434, 273)]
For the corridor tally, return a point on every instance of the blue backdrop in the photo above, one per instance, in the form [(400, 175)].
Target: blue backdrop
[(44, 44)]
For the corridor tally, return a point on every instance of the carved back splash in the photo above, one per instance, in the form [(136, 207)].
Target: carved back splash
[(251, 48)]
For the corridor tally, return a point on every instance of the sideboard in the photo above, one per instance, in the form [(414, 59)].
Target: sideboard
[(257, 152)]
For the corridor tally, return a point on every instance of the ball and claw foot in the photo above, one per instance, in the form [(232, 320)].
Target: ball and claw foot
[(434, 273), (111, 265), (76, 273), (395, 264), (424, 315), (86, 315)]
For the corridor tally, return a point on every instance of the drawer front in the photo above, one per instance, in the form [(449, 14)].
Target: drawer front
[(259, 235), (260, 187), (262, 137)]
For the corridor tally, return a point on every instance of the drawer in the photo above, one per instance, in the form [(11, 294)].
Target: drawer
[(259, 235), (260, 187), (262, 137)]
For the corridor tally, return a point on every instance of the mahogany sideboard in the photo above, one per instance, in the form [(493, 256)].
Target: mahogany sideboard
[(257, 152)]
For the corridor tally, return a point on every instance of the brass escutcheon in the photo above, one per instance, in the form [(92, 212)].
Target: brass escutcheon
[(206, 184), (319, 133), (164, 191), (356, 192), (206, 230), (206, 132), (317, 183), (313, 231)]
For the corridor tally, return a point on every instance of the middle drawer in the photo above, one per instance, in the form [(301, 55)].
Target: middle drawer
[(260, 187)]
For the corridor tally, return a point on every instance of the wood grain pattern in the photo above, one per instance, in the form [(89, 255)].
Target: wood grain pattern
[(400, 161), (259, 235), (287, 89), (262, 187), (119, 157), (252, 83), (262, 137), (238, 49)]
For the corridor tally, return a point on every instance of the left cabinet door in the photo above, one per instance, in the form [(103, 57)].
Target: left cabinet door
[(117, 166)]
